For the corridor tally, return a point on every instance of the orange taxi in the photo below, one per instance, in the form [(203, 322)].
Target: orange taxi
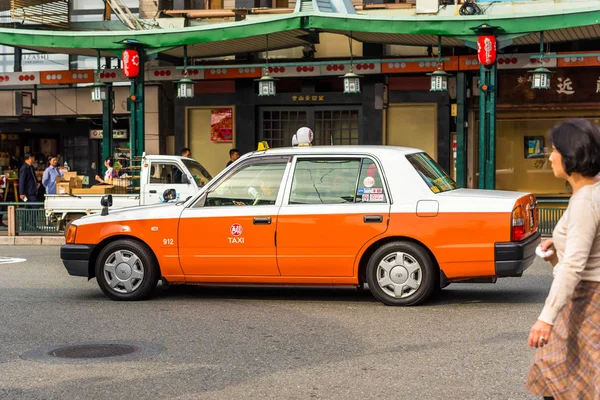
[(386, 216)]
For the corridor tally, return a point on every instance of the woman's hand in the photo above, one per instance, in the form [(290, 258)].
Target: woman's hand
[(539, 334), (547, 245), (99, 179)]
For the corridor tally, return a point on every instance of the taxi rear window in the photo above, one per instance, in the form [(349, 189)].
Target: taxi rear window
[(433, 175)]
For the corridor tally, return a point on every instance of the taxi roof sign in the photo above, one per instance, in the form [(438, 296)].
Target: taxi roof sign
[(303, 137), (262, 146)]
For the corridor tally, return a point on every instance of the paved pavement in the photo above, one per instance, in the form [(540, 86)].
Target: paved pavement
[(262, 343)]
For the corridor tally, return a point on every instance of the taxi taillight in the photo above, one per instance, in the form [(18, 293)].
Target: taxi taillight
[(70, 234), (518, 224)]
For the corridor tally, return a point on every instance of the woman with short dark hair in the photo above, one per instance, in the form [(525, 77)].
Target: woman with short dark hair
[(567, 332)]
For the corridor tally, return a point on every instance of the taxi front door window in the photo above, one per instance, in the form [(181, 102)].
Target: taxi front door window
[(251, 185)]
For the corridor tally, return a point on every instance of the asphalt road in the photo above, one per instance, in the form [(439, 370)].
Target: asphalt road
[(203, 342)]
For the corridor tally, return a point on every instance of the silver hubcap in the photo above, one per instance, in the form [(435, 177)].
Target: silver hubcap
[(399, 275), (123, 271)]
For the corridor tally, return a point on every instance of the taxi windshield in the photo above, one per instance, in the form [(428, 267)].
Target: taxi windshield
[(200, 174), (433, 175)]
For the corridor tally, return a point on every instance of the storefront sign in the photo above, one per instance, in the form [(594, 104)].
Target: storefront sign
[(308, 98), (131, 63), (486, 50), (568, 85), (118, 134)]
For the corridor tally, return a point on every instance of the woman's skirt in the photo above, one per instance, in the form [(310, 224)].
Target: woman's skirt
[(568, 367)]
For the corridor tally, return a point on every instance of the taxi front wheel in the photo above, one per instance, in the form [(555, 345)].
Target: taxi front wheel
[(126, 271), (401, 274)]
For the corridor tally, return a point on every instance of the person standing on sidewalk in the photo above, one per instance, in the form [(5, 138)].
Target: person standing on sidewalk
[(566, 365), (28, 185), (50, 175)]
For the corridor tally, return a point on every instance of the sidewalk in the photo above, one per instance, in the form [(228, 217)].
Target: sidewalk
[(32, 240)]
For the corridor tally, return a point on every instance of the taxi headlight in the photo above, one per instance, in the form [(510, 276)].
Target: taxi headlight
[(70, 234)]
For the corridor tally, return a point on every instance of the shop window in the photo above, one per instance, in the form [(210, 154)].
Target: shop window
[(324, 181), (250, 185), (336, 127), (522, 153), (280, 125)]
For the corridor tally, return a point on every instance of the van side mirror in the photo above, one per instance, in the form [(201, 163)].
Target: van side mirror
[(169, 194), (106, 201)]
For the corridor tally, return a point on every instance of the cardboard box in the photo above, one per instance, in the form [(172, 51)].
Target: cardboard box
[(71, 174), (68, 182), (96, 189)]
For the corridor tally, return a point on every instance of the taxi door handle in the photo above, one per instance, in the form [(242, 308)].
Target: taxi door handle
[(373, 218), (262, 220), (153, 191)]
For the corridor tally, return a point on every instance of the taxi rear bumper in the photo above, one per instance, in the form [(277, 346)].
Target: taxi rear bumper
[(76, 257), (512, 258)]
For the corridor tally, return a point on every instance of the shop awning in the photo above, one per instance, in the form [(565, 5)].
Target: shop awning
[(563, 22)]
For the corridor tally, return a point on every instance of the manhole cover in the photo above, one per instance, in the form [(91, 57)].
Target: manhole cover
[(94, 351)]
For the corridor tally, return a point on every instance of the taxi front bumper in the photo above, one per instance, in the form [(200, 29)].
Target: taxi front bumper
[(76, 257), (512, 258)]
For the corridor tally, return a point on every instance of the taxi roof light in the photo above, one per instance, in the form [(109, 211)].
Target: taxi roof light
[(303, 137)]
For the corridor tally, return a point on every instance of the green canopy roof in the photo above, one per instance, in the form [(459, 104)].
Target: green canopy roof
[(561, 21)]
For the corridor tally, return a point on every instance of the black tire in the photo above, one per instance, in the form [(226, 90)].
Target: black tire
[(398, 292), (139, 287)]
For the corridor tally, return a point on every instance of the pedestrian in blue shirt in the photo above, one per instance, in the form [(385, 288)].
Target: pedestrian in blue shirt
[(50, 175)]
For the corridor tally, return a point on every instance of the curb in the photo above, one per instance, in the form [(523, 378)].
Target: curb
[(32, 240)]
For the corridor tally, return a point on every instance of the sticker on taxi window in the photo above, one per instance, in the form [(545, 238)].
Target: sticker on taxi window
[(365, 197), (369, 182), (369, 190), (376, 197)]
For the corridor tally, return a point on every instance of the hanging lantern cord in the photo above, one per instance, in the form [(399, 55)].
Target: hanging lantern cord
[(185, 60), (351, 53), (267, 56), (542, 48), (98, 60), (439, 62)]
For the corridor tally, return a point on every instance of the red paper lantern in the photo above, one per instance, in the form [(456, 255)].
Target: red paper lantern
[(131, 63), (486, 50)]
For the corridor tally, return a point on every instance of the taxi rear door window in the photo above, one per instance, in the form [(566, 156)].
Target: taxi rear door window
[(325, 181)]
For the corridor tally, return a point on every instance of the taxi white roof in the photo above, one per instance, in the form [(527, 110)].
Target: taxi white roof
[(340, 150)]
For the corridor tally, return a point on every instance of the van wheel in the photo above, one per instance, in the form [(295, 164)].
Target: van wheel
[(125, 270), (402, 274)]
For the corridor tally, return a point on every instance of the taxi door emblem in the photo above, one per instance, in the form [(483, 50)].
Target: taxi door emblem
[(236, 229)]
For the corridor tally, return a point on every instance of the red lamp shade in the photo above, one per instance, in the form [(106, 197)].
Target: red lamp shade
[(130, 63), (486, 50)]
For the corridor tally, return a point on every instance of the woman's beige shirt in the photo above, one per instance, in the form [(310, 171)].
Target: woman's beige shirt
[(577, 242)]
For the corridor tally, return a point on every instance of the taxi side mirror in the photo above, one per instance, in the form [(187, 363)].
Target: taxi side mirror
[(169, 194), (106, 201)]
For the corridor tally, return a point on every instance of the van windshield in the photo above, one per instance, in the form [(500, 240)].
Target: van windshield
[(199, 173), (433, 175)]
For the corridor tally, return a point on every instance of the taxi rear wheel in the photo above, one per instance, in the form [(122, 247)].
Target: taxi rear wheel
[(126, 271), (401, 274)]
